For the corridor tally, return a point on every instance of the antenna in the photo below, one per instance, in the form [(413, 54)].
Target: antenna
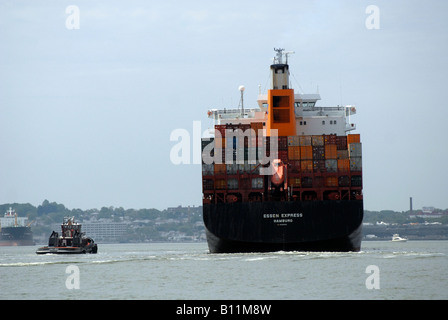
[(279, 55), (241, 88), (287, 54)]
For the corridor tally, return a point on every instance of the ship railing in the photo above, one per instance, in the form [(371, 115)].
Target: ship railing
[(215, 113)]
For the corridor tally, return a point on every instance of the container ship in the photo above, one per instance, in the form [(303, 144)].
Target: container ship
[(14, 230), (284, 176)]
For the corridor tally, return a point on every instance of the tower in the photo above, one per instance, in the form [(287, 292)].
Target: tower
[(281, 98)]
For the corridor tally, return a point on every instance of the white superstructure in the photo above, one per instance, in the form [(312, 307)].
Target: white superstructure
[(310, 118), (11, 219)]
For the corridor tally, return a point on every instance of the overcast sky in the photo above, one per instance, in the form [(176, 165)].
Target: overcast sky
[(86, 114)]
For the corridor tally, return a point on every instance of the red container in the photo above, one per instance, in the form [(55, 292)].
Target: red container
[(341, 142), (330, 139)]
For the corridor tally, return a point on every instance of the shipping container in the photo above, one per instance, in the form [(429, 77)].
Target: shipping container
[(355, 150), (330, 139), (283, 155), (306, 153), (306, 165), (293, 152), (344, 181), (221, 184), (222, 129), (294, 181), (331, 181), (232, 184), (318, 152), (319, 165), (317, 141), (257, 183), (207, 184), (256, 126), (353, 138), (232, 169), (305, 140), (331, 165), (318, 182), (331, 151), (341, 142), (293, 141), (356, 181), (254, 169), (294, 166), (282, 143), (220, 168), (356, 164), (208, 169), (307, 182), (343, 165), (244, 168), (342, 154)]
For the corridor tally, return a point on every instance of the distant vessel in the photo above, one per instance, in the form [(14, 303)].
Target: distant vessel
[(397, 238), (284, 176), (14, 230), (71, 240)]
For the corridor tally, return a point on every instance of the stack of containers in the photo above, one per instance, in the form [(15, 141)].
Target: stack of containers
[(331, 161), (342, 155), (293, 148), (338, 157), (318, 148), (283, 148), (355, 155), (306, 154)]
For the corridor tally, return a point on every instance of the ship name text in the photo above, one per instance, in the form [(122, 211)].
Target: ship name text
[(282, 215), (282, 219)]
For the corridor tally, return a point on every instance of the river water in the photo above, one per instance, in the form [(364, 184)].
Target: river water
[(382, 270)]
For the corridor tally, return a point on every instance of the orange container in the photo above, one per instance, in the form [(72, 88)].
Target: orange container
[(294, 153), (221, 184), (220, 168), (331, 181), (342, 154), (294, 181), (344, 165), (307, 165), (331, 151), (306, 153), (353, 138)]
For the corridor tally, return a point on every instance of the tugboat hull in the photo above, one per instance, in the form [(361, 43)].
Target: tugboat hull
[(67, 250)]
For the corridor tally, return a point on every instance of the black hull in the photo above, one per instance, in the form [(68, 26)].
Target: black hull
[(16, 236), (326, 225)]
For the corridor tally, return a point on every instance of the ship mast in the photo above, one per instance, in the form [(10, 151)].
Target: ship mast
[(281, 115)]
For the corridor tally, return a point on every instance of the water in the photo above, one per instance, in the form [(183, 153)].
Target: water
[(410, 270)]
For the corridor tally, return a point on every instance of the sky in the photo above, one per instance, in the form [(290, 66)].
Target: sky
[(87, 110)]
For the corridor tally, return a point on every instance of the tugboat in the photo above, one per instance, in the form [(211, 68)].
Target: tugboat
[(71, 240)]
